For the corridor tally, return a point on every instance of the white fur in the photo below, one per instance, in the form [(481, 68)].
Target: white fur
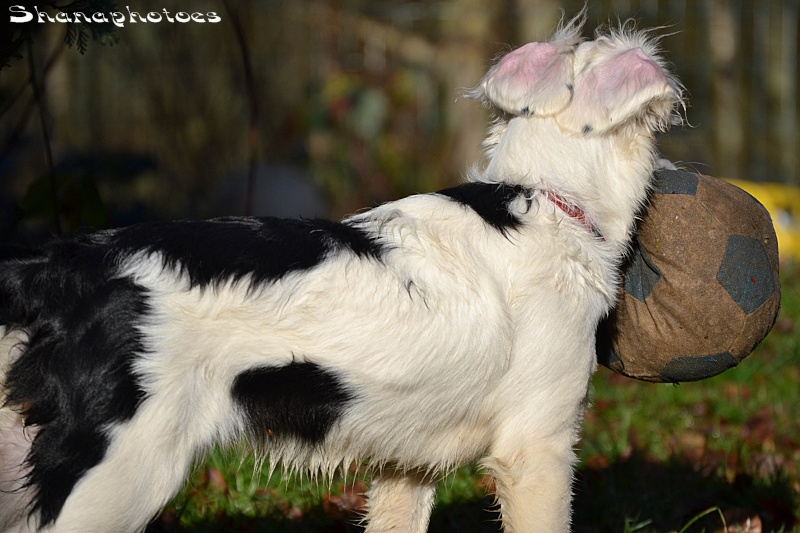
[(462, 344)]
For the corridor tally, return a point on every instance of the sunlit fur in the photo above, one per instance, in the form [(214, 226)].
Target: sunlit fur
[(459, 338)]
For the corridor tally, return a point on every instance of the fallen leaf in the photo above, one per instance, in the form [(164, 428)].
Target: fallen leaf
[(291, 512), (597, 462), (785, 325), (760, 427), (692, 446), (214, 480), (740, 520), (351, 500)]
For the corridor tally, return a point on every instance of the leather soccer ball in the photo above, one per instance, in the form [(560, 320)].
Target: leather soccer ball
[(701, 286)]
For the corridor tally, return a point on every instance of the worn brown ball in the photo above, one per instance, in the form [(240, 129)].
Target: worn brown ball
[(701, 287)]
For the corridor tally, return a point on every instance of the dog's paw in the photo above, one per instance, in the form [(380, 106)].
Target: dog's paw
[(533, 80)]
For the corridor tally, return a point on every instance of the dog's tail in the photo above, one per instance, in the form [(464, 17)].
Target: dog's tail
[(67, 357), (21, 285), (20, 296)]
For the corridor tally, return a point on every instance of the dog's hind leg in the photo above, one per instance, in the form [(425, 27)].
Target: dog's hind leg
[(146, 463), (15, 443), (15, 497), (533, 486), (400, 502)]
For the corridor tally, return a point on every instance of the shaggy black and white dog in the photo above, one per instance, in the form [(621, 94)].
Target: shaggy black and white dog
[(422, 334)]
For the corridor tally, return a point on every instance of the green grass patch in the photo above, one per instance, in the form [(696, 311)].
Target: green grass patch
[(654, 458)]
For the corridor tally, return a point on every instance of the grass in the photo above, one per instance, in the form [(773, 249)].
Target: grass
[(654, 458)]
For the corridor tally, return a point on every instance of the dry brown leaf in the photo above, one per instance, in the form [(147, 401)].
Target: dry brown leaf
[(741, 520)]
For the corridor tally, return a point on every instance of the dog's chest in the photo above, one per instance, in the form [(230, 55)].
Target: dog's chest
[(576, 268), (586, 273)]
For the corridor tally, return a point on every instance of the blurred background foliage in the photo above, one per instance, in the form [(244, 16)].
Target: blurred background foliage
[(323, 107)]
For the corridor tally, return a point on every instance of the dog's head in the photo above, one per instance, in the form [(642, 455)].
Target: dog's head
[(587, 87), (580, 117)]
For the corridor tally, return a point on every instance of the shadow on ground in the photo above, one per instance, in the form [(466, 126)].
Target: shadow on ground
[(637, 491)]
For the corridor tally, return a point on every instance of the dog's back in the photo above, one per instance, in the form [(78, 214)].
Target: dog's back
[(129, 352)]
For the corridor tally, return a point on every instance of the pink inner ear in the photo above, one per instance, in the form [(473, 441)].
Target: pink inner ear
[(627, 73), (527, 64), (535, 79)]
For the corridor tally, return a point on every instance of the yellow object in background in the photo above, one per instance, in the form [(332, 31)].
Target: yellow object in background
[(783, 203)]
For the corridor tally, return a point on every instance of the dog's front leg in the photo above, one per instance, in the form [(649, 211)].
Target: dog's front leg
[(533, 480), (400, 502)]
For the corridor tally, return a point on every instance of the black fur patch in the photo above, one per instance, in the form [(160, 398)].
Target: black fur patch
[(491, 201), (300, 400), (223, 249), (74, 378)]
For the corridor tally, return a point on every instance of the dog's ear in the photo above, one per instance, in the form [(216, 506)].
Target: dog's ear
[(628, 85), (533, 80)]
